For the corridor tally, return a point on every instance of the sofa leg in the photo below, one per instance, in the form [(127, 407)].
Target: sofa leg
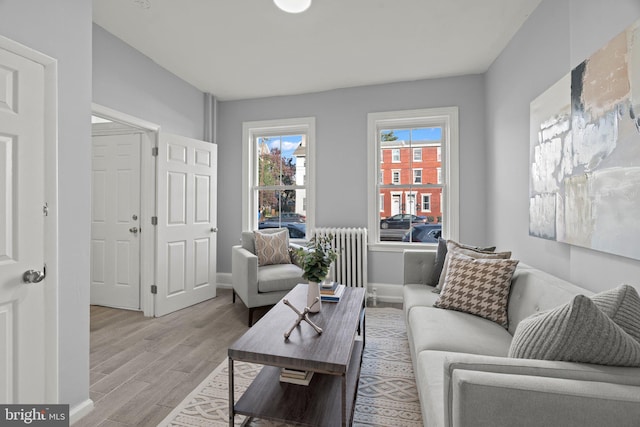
[(250, 317), (234, 297)]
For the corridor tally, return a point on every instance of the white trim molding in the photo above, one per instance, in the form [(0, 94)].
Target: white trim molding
[(147, 194), (250, 130), (447, 119)]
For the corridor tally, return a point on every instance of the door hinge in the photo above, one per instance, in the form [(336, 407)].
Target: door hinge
[(45, 209), (154, 151), (154, 289), (154, 220)]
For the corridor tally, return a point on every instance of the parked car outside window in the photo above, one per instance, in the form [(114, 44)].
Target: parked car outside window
[(423, 233), (402, 221)]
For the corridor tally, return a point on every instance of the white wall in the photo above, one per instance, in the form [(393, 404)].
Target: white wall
[(62, 30), (127, 81), (341, 138), (558, 36)]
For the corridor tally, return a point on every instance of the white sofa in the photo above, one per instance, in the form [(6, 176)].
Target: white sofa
[(465, 378)]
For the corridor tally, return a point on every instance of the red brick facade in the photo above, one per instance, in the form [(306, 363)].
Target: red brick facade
[(416, 165)]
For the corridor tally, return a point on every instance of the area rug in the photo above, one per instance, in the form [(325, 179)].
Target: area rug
[(387, 394)]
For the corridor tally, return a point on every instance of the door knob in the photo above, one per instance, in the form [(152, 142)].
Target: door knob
[(134, 230), (214, 229), (33, 276)]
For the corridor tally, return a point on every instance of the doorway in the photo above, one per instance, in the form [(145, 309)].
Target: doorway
[(123, 192), (163, 258)]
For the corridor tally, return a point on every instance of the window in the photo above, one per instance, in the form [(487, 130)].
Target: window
[(417, 176), (395, 155), (395, 177), (426, 203), (278, 174), (424, 147)]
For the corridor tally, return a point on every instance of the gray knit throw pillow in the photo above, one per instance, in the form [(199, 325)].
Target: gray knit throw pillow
[(575, 332), (622, 305)]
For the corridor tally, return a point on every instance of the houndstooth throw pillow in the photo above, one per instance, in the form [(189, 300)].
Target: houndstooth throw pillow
[(272, 248), (455, 248), (478, 286)]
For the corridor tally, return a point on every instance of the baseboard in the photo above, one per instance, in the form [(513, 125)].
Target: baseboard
[(223, 280), (385, 292), (80, 410)]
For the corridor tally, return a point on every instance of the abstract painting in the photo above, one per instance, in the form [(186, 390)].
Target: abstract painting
[(584, 186)]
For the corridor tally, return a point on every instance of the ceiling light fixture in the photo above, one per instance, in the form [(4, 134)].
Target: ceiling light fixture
[(293, 6)]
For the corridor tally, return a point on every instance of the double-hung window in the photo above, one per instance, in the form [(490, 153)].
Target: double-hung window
[(278, 175), (424, 147)]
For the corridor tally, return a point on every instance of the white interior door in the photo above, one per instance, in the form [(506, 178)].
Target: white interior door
[(115, 221), (23, 306), (187, 192)]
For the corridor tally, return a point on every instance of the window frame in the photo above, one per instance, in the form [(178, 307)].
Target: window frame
[(423, 197), (395, 172), (419, 175), (264, 128), (417, 150), (447, 118)]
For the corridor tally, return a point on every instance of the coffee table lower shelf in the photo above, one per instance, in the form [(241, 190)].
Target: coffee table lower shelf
[(318, 404)]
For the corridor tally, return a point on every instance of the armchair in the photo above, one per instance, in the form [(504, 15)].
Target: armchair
[(259, 286)]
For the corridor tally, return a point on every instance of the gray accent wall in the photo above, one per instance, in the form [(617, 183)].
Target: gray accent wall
[(341, 150), (559, 35), (130, 82), (62, 30)]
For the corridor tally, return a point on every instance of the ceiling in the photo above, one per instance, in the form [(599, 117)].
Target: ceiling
[(241, 49)]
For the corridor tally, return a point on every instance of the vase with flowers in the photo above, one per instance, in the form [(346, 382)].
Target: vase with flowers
[(315, 260)]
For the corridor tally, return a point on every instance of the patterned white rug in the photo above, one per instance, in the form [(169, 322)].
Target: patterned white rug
[(387, 394)]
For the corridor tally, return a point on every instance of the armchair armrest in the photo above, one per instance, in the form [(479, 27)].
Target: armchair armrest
[(495, 399), (417, 265), (515, 375), (244, 273)]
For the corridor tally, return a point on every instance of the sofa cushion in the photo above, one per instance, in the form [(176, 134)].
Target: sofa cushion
[(534, 291), (622, 305), (433, 328), (417, 295), (279, 277), (441, 254), (272, 248), (456, 248), (478, 286), (576, 332)]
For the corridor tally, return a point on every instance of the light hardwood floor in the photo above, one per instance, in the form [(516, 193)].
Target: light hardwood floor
[(141, 367)]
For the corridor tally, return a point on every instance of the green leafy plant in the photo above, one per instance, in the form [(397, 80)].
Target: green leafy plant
[(316, 258)]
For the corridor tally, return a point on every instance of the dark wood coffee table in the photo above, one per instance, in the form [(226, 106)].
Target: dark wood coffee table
[(334, 356)]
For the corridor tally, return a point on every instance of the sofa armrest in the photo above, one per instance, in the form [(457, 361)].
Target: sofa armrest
[(417, 265), (526, 369), (244, 273), (493, 399)]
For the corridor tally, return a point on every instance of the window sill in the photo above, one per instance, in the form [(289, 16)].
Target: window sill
[(399, 247)]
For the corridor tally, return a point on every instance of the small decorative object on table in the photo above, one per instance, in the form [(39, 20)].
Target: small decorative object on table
[(315, 261), (302, 315)]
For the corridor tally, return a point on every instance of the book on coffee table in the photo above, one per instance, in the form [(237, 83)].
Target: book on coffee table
[(295, 376), (335, 297), (328, 289)]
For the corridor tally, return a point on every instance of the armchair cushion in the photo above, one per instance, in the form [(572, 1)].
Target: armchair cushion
[(272, 248), (278, 277)]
